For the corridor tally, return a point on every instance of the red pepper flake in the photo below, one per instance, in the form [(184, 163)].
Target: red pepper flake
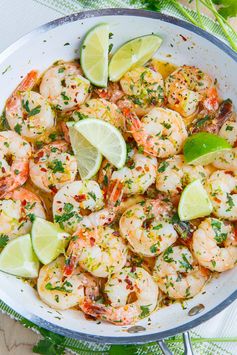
[(53, 188), (183, 38), (80, 198), (217, 200), (44, 170), (92, 241), (24, 202), (229, 173), (129, 284)]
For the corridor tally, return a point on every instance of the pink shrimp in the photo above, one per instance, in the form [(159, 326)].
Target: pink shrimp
[(160, 133), (14, 161), (94, 232), (28, 112)]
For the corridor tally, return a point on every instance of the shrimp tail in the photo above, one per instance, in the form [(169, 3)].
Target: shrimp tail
[(26, 84), (214, 124), (224, 113), (115, 193), (73, 252)]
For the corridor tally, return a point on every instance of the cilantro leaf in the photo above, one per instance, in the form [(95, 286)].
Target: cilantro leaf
[(3, 240), (228, 8), (47, 347)]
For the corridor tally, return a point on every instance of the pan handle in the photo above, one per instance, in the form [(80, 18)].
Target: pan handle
[(164, 348), (187, 345), (188, 350)]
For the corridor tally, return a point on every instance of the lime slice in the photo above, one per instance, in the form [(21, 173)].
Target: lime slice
[(88, 157), (19, 259), (133, 53), (48, 240), (203, 148), (194, 202), (106, 138), (94, 55)]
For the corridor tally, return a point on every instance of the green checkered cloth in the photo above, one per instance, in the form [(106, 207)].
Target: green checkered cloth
[(57, 342)]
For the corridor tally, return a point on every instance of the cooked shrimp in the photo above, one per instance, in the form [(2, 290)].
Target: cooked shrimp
[(227, 160), (222, 189), (160, 133), (98, 250), (28, 112), (53, 167), (186, 87), (215, 245), (64, 86), (14, 161), (118, 289), (62, 292), (147, 228), (177, 274), (212, 123), (111, 93), (174, 174), (103, 110), (229, 132), (17, 212), (138, 174), (74, 197), (144, 87)]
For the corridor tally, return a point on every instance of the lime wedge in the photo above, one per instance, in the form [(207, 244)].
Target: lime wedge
[(94, 55), (48, 240), (194, 202), (133, 53), (106, 138), (203, 148), (88, 157), (19, 259)]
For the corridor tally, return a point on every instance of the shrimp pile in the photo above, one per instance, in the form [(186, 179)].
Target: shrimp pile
[(127, 251)]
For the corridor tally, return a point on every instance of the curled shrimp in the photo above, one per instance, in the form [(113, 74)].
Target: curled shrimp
[(17, 212), (119, 287), (160, 133), (215, 245), (213, 123), (103, 110), (177, 274), (61, 292), (186, 87), (138, 173), (64, 86), (28, 112), (174, 174), (73, 198), (14, 161), (144, 89), (222, 189), (52, 167), (99, 250), (147, 227)]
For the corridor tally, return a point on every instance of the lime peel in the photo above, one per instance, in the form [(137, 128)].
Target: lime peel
[(135, 52), (203, 148), (194, 202), (18, 258), (106, 138), (88, 157), (48, 240), (94, 55)]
